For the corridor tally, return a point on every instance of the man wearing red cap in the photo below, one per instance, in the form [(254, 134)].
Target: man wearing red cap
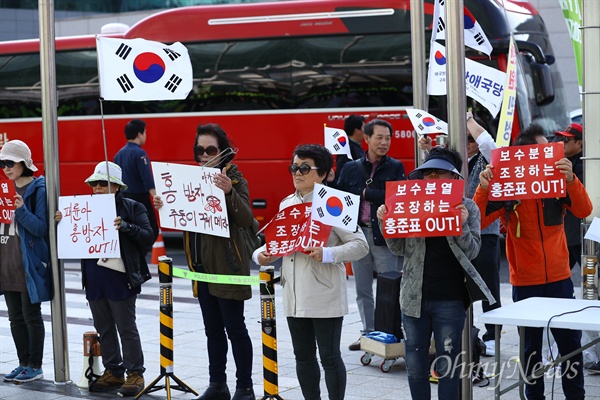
[(572, 137)]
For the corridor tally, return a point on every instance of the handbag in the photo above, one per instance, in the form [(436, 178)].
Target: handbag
[(115, 264)]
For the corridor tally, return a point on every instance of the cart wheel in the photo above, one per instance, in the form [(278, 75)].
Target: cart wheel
[(366, 359), (386, 365)]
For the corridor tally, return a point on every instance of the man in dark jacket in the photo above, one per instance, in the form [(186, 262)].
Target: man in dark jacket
[(367, 177), (572, 137)]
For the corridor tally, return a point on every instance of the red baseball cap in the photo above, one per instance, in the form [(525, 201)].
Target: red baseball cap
[(573, 131)]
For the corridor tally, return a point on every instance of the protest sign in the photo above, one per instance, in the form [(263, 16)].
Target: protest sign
[(423, 208), (7, 201), (87, 228), (191, 200), (292, 229), (335, 207), (527, 172)]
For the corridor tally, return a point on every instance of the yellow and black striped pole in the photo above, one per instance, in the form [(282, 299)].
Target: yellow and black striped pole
[(269, 333), (165, 279)]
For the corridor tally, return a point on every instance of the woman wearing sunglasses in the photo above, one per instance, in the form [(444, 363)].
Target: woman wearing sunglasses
[(112, 293), (222, 305), (24, 261), (315, 296), (438, 284)]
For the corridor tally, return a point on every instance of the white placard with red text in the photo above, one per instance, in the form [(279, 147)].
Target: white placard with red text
[(527, 172), (7, 201), (191, 200), (423, 208), (292, 229), (87, 228)]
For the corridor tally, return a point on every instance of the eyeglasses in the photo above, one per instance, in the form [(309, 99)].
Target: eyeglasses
[(438, 172), (471, 139), (96, 183), (304, 169), (210, 150), (564, 139), (6, 163)]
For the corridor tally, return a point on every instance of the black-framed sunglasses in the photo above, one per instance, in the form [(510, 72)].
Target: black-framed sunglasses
[(564, 139), (7, 163), (304, 169), (438, 172), (210, 150), (96, 183)]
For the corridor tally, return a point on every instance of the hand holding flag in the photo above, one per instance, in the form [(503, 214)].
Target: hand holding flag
[(140, 70)]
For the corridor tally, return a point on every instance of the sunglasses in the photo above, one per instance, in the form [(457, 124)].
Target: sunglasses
[(438, 172), (304, 169), (564, 139), (210, 150), (96, 183), (471, 139), (6, 163)]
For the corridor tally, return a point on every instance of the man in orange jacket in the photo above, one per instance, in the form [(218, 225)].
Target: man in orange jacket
[(538, 258)]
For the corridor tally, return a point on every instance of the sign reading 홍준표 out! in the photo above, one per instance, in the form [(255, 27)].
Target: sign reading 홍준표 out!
[(423, 208), (527, 172)]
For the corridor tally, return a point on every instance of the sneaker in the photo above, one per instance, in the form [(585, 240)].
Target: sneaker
[(29, 374), (594, 368), (490, 348), (13, 374), (355, 346), (106, 382), (133, 385)]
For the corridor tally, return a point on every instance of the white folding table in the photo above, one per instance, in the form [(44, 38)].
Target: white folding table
[(535, 312)]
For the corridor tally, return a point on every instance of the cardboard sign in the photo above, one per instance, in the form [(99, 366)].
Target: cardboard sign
[(423, 208), (87, 228), (292, 229), (191, 200), (7, 201), (527, 172)]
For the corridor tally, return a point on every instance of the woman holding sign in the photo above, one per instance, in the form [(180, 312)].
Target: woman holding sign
[(24, 256), (315, 296), (112, 285), (222, 304), (438, 284)]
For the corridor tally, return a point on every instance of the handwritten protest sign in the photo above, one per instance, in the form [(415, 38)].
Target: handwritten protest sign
[(87, 228), (7, 201), (191, 200), (292, 229), (423, 208), (527, 172)]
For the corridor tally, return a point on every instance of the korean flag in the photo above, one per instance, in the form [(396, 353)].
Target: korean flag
[(425, 123), (140, 70), (335, 208), (336, 141)]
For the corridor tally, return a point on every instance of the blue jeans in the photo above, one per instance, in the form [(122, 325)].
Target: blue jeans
[(220, 316), (27, 328), (567, 341), (380, 259), (445, 319), (306, 334)]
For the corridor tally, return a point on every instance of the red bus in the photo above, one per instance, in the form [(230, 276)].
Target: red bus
[(271, 74)]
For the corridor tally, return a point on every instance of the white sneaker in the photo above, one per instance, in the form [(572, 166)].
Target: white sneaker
[(490, 348)]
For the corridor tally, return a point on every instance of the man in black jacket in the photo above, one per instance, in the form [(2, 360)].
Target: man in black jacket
[(367, 177)]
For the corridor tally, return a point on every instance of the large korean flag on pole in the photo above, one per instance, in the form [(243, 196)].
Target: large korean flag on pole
[(336, 141), (140, 70), (335, 207)]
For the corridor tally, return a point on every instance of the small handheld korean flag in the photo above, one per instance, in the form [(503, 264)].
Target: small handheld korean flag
[(336, 141), (335, 208), (140, 70), (425, 123)]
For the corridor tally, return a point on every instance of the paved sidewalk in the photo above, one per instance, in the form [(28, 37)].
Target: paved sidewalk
[(190, 357)]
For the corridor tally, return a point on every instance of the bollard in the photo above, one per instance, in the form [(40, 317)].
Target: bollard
[(269, 333), (91, 359), (165, 278)]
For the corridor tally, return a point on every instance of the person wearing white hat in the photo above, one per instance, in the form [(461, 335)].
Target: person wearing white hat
[(25, 261), (112, 291)]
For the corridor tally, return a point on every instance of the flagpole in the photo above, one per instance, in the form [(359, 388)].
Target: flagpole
[(104, 141)]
